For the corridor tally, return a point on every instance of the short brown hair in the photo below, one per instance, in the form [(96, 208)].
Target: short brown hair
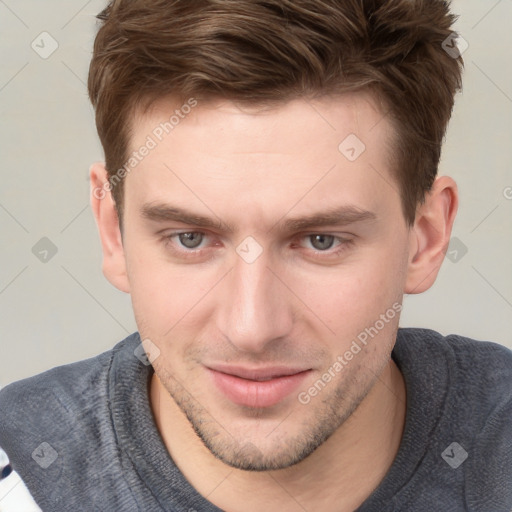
[(267, 51)]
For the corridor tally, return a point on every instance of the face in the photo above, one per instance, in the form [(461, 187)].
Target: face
[(262, 247)]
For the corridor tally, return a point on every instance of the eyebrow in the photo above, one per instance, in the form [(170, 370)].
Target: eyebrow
[(162, 213), (332, 217)]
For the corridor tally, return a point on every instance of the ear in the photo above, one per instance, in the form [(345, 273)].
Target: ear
[(107, 220), (430, 235)]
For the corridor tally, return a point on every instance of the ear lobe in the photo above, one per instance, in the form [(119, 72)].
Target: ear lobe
[(105, 213), (430, 235)]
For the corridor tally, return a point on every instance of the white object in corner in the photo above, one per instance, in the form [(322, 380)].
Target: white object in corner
[(14, 495)]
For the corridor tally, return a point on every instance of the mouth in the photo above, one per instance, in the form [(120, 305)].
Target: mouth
[(257, 388)]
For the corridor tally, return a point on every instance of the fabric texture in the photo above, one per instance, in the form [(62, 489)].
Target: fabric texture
[(82, 436)]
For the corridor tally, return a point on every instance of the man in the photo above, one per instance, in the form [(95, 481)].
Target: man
[(269, 194)]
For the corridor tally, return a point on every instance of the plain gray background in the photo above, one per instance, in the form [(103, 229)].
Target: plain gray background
[(58, 308)]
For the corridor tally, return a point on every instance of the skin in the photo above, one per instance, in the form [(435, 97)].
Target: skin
[(295, 305)]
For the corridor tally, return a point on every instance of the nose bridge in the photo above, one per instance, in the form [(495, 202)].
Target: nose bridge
[(255, 311)]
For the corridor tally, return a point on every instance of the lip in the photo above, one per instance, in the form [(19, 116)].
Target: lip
[(257, 388)]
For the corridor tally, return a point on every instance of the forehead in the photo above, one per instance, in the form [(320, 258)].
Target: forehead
[(327, 117), (304, 148)]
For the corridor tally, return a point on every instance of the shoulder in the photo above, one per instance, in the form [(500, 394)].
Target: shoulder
[(482, 376), (475, 362), (33, 407), (473, 376), (476, 377), (70, 380), (477, 373), (57, 429), (485, 374)]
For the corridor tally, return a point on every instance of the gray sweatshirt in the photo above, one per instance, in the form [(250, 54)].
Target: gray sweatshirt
[(82, 436)]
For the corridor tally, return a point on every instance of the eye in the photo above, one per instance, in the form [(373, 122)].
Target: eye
[(191, 240), (192, 246), (322, 242), (325, 247)]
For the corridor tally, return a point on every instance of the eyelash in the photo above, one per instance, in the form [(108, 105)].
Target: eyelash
[(344, 244)]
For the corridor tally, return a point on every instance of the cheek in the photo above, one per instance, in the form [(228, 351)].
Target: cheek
[(167, 299), (353, 295), (163, 294)]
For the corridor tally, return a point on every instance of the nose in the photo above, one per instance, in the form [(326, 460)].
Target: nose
[(255, 309)]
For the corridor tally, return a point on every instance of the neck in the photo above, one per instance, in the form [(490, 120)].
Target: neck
[(338, 476)]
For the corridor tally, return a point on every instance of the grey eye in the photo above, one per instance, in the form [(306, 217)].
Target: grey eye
[(191, 240), (322, 242)]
